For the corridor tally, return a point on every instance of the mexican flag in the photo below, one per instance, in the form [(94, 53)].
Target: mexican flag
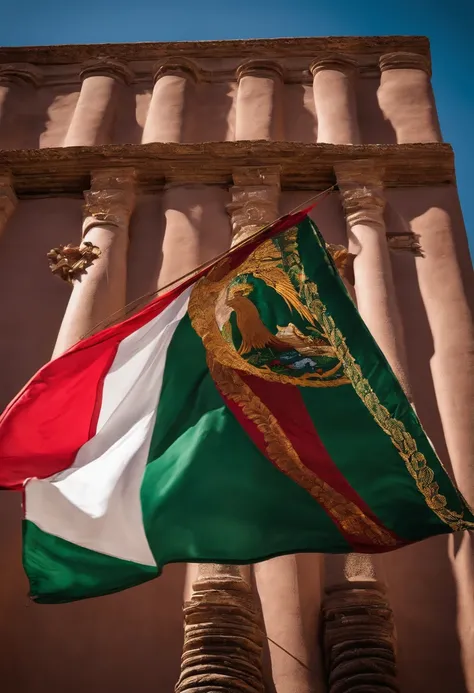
[(247, 413)]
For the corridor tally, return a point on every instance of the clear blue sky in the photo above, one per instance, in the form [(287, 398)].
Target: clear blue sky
[(449, 26)]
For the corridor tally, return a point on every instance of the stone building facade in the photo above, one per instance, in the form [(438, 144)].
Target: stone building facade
[(162, 155)]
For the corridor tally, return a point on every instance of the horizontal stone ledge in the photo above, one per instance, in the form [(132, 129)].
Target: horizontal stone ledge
[(354, 45), (66, 170)]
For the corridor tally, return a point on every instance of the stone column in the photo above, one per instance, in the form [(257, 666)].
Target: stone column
[(362, 196), (8, 200), (359, 637), (95, 110), (14, 78), (335, 99), (406, 97), (258, 111), (165, 119), (99, 293)]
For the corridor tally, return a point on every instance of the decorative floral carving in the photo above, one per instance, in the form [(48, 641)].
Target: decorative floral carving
[(405, 241), (70, 261), (254, 200)]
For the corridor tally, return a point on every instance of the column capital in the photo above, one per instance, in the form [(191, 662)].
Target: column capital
[(363, 205), (179, 66), (341, 63), (111, 198), (361, 186), (106, 67), (8, 200), (402, 60), (255, 200), (20, 73), (260, 68)]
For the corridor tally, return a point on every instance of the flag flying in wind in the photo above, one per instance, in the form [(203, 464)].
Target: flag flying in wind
[(246, 414)]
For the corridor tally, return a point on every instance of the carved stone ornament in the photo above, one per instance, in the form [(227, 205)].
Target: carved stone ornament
[(223, 636), (179, 66), (360, 184), (70, 261), (341, 63), (255, 200), (364, 206), (359, 639), (107, 67), (111, 199), (402, 60), (405, 241), (20, 73), (260, 68)]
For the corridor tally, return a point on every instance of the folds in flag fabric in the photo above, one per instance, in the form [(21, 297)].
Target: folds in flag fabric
[(246, 414)]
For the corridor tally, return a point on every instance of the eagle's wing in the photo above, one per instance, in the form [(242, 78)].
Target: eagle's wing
[(279, 280)]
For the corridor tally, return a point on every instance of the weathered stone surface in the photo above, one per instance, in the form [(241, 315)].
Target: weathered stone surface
[(66, 170), (359, 640), (355, 45), (223, 639)]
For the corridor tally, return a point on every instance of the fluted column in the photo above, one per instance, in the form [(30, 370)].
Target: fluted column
[(172, 83), (14, 79), (96, 107), (406, 97), (100, 292), (335, 99), (8, 201), (258, 111)]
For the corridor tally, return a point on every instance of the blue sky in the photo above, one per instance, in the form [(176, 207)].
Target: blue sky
[(448, 26)]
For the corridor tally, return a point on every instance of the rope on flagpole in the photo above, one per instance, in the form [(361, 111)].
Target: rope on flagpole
[(126, 310)]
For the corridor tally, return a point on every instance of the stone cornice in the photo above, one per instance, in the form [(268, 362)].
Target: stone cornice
[(66, 170), (254, 48)]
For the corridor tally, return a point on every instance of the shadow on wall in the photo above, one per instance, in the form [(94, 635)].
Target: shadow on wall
[(33, 300), (129, 115), (299, 115), (208, 112), (374, 127), (145, 254), (25, 117)]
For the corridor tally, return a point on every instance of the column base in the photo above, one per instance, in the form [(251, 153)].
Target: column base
[(359, 639), (223, 637)]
